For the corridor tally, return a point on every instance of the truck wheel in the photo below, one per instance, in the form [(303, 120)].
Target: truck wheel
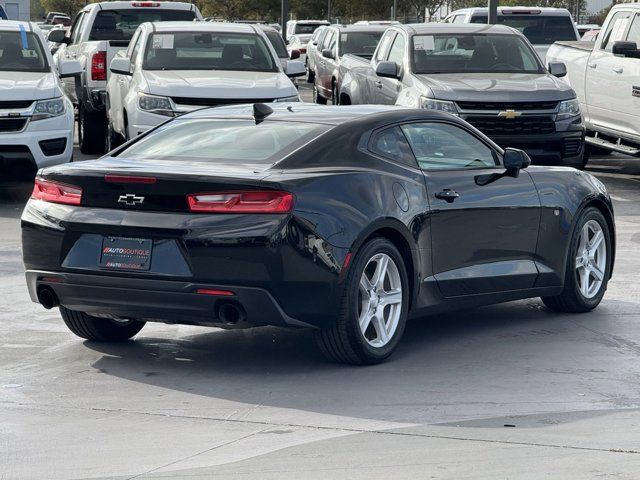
[(91, 130), (100, 329), (317, 98)]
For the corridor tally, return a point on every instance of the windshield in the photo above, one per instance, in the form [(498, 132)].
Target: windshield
[(362, 44), (208, 51), (120, 24), (539, 30), (464, 53), (307, 28), (278, 44), (22, 52), (223, 140)]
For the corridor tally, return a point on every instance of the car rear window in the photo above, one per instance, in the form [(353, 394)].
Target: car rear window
[(121, 24), (539, 29), (308, 28), (21, 52), (223, 140)]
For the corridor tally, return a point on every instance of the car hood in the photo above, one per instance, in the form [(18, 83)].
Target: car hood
[(497, 87), (219, 84), (28, 86)]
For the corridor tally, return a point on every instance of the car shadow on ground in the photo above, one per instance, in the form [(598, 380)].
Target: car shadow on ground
[(490, 351)]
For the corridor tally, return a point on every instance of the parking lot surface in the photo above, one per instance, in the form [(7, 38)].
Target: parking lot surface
[(507, 391)]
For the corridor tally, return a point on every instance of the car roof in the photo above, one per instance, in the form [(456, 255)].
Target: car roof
[(185, 26), (130, 5), (361, 28), (14, 26), (542, 10), (455, 28)]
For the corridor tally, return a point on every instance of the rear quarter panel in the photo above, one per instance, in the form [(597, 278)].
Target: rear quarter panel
[(353, 77)]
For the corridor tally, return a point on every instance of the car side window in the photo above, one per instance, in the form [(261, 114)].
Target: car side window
[(392, 144), (634, 31), (439, 146), (615, 30), (327, 40), (396, 54), (383, 46), (332, 41), (76, 28)]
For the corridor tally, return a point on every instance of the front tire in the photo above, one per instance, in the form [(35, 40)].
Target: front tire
[(374, 307), (91, 130), (317, 98), (100, 329), (588, 265)]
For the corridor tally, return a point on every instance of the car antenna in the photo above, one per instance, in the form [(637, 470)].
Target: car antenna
[(261, 111)]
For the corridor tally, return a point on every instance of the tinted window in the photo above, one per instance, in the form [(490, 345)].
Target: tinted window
[(539, 29), (473, 53), (21, 54), (383, 46), (327, 39), (208, 51), (121, 24), (278, 44), (396, 54), (306, 28), (445, 146), (3, 15), (634, 31), (392, 144), (222, 141), (362, 44)]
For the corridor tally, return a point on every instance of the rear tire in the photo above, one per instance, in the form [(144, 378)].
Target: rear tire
[(91, 130), (583, 258), (311, 76), (370, 303), (99, 329)]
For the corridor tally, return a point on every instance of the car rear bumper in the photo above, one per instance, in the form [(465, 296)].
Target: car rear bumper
[(159, 300)]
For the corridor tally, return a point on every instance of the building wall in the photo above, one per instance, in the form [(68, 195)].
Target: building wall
[(17, 9)]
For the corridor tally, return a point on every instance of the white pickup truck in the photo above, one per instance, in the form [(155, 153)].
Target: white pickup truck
[(98, 32), (606, 79)]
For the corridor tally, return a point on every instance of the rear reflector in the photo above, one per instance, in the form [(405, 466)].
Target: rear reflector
[(145, 4), (255, 201), (99, 66), (208, 291), (55, 192), (128, 179), (52, 279)]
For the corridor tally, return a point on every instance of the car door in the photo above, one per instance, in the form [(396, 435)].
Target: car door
[(606, 84), (381, 55), (70, 52), (125, 84), (323, 72), (628, 76), (388, 88), (484, 224)]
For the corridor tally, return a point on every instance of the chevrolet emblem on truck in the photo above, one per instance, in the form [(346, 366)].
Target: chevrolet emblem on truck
[(509, 114)]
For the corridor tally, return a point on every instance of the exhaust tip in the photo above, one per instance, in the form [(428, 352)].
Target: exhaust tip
[(47, 298), (231, 313)]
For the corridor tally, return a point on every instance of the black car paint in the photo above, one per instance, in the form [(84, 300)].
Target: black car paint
[(288, 269)]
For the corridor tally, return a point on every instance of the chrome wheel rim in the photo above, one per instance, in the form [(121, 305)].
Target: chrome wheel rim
[(591, 259), (379, 300)]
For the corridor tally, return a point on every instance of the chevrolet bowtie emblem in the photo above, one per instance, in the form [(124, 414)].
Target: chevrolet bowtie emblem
[(130, 199), (509, 114)]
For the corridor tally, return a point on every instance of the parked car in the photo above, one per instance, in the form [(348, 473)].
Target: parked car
[(299, 43), (541, 25), (360, 41), (62, 20), (304, 27), (312, 51), (49, 16), (387, 23), (279, 45), (488, 75), (36, 118), (98, 32), (55, 46), (606, 78), (175, 67), (342, 219)]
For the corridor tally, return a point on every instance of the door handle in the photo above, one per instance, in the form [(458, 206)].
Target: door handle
[(448, 195), (379, 83), (592, 65), (618, 69)]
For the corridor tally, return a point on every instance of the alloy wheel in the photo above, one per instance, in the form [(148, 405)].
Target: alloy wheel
[(591, 259)]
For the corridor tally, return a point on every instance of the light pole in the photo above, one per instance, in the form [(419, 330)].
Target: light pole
[(284, 16), (492, 18), (329, 10), (395, 9)]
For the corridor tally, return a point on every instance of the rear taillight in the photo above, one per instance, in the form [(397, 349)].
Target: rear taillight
[(99, 66), (55, 192), (129, 179), (262, 201)]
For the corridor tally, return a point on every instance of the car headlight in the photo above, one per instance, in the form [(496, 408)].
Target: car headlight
[(293, 98), (569, 108), (440, 105), (48, 108), (155, 104)]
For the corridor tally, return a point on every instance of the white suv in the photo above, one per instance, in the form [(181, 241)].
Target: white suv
[(36, 118), (175, 67)]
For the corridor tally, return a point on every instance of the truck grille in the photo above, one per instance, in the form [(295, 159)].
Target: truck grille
[(499, 106), (216, 102), (516, 126), (12, 124), (15, 104)]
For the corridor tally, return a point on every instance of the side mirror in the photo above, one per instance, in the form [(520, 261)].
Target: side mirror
[(326, 53), (295, 68), (69, 68), (557, 69), (387, 70), (514, 160), (626, 49), (295, 53), (120, 65), (58, 36)]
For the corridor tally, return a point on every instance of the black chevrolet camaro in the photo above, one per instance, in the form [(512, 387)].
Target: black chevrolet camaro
[(347, 220)]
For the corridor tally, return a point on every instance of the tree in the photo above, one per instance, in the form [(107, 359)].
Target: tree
[(70, 7)]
